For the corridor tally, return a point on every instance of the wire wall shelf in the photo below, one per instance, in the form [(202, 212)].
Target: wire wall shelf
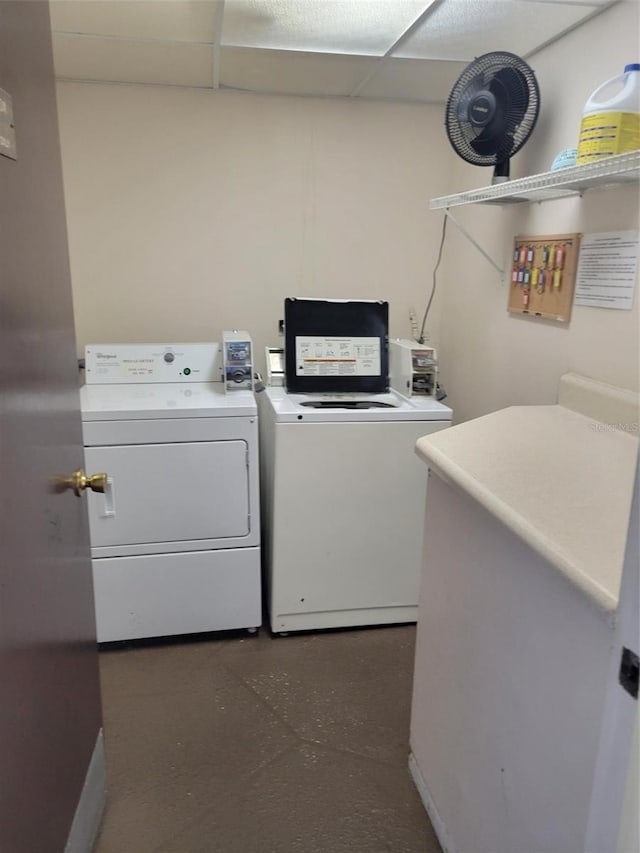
[(562, 183)]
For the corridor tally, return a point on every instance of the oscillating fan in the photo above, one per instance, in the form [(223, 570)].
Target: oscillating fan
[(492, 110)]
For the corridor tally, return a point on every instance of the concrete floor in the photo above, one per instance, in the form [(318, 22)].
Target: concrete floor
[(245, 744)]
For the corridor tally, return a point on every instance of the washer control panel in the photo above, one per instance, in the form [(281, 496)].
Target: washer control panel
[(107, 364), (237, 354)]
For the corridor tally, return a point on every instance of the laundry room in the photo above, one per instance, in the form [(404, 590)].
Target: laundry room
[(190, 211), (297, 652)]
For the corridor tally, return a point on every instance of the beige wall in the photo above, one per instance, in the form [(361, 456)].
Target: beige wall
[(190, 212), (489, 358)]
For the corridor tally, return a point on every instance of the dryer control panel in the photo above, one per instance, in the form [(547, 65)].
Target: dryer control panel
[(107, 364)]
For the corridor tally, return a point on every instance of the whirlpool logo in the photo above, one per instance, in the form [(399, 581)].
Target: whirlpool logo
[(106, 355)]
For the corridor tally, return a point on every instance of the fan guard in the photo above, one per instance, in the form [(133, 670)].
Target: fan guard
[(492, 110)]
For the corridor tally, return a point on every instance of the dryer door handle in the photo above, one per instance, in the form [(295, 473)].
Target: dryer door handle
[(109, 510)]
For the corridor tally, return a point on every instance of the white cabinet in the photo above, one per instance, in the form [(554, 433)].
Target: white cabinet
[(518, 644)]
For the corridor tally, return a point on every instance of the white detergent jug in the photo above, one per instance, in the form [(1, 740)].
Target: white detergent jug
[(611, 126)]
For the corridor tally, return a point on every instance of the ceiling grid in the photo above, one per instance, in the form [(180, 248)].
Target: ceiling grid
[(406, 50)]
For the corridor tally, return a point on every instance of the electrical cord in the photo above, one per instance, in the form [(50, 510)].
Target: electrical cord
[(433, 288)]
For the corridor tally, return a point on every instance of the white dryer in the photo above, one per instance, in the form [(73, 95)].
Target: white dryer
[(175, 538)]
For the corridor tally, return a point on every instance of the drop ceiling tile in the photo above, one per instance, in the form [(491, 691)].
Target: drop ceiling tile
[(463, 29), (112, 60), (414, 80), (306, 47), (292, 73), (169, 20), (362, 27)]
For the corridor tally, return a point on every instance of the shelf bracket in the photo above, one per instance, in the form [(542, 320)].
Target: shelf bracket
[(464, 231)]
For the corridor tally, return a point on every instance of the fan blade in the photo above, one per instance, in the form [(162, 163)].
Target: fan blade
[(496, 138), (466, 96), (486, 144), (509, 86)]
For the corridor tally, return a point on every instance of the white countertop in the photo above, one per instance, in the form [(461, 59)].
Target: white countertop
[(560, 480)]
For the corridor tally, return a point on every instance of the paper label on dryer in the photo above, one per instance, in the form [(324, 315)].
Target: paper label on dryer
[(337, 356)]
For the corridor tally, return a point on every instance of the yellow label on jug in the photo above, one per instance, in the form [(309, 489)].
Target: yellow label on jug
[(607, 134)]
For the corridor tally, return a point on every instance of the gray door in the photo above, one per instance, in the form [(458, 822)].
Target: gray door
[(50, 715)]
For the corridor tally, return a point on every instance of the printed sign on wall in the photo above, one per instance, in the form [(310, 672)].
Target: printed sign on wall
[(608, 270)]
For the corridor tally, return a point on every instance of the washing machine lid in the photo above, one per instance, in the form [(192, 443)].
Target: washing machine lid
[(318, 408), (164, 400), (336, 346)]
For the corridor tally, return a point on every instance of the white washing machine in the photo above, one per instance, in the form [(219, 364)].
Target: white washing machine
[(175, 538), (343, 506)]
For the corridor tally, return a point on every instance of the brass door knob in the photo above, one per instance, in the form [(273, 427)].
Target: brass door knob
[(79, 481)]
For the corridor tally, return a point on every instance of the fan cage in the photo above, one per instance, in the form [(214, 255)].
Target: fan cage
[(519, 105)]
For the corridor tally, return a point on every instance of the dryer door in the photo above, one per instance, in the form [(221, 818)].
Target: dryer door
[(174, 492)]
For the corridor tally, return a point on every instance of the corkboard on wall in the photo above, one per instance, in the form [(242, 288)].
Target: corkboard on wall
[(543, 276)]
